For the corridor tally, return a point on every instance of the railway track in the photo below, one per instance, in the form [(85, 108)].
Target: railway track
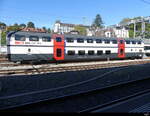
[(87, 101), (18, 69)]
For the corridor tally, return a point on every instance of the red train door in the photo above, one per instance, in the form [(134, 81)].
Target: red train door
[(59, 47), (121, 48)]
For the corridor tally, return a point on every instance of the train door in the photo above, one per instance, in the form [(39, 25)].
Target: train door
[(121, 48), (59, 46)]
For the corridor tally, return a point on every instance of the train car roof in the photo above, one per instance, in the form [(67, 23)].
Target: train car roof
[(12, 33), (27, 34), (103, 38)]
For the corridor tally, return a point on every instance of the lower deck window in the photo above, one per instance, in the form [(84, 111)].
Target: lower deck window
[(100, 52), (81, 52), (108, 52), (71, 53), (91, 52)]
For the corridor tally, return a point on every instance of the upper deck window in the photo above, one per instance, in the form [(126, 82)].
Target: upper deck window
[(46, 39), (133, 42), (98, 41), (139, 42), (127, 42), (20, 38), (79, 40), (70, 40), (121, 42), (114, 41), (89, 40), (107, 41), (34, 38), (58, 39)]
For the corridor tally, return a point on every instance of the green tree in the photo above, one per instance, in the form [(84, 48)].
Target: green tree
[(125, 21), (2, 25), (98, 22), (30, 25), (49, 30), (44, 28), (13, 28), (22, 25), (81, 30), (3, 41)]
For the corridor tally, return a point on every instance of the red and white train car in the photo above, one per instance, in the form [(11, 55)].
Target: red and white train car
[(33, 46)]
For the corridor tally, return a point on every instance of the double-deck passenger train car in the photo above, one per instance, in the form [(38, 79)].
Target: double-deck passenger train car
[(33, 46)]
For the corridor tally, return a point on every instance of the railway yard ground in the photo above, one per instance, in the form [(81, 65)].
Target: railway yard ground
[(96, 86)]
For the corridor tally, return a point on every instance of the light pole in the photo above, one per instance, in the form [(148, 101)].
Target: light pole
[(134, 29)]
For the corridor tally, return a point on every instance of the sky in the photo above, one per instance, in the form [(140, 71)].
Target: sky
[(46, 12)]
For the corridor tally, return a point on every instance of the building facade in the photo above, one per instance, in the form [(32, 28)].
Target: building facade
[(62, 28), (113, 31)]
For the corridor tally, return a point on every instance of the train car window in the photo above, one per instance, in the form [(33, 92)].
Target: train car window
[(127, 42), (71, 53), (121, 51), (59, 52), (34, 38), (121, 42), (89, 40), (58, 39), (91, 52), (133, 42), (114, 41), (146, 47), (46, 39), (98, 41), (20, 38), (99, 52), (70, 40), (81, 52), (108, 52), (79, 40), (107, 41), (139, 42)]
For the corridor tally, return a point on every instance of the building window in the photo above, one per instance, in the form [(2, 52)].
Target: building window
[(46, 39), (98, 41), (79, 40), (91, 52), (20, 38), (81, 52), (58, 39), (71, 52), (89, 40), (107, 41), (108, 52), (70, 40), (99, 52), (34, 38)]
